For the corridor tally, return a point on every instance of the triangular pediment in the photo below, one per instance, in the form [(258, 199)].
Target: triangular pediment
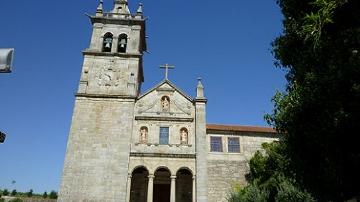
[(164, 100), (166, 85)]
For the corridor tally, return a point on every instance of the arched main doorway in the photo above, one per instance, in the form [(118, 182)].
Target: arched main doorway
[(139, 185), (162, 185), (184, 186)]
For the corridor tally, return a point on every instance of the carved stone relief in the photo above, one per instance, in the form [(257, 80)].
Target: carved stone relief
[(109, 76)]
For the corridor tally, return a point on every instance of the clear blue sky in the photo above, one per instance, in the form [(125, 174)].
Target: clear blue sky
[(227, 43)]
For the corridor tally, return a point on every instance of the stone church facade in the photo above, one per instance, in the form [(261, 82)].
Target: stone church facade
[(146, 147)]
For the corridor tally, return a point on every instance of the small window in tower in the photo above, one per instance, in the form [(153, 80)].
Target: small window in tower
[(216, 144), (123, 39), (164, 135), (107, 42)]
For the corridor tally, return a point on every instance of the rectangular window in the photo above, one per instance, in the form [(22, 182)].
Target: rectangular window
[(164, 135), (233, 145), (216, 144)]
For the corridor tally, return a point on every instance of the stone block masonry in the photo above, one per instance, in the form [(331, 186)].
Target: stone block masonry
[(98, 151)]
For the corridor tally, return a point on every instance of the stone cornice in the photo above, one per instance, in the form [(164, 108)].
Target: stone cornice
[(186, 156), (104, 96), (173, 119), (98, 53), (200, 100), (109, 19)]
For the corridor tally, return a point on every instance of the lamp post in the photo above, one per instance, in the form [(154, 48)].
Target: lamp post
[(6, 59), (2, 137)]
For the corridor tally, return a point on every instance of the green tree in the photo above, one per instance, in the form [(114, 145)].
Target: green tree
[(30, 193), (320, 110), (13, 192), (5, 192), (53, 195), (45, 195), (270, 179)]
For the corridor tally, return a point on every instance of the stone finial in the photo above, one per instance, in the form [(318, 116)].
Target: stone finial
[(200, 90), (99, 9), (140, 9)]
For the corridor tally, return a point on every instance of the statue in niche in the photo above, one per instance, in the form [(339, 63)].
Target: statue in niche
[(165, 103), (143, 135), (184, 136)]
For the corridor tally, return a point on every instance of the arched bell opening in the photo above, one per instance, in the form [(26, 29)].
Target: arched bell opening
[(123, 41), (107, 42), (184, 185), (139, 185)]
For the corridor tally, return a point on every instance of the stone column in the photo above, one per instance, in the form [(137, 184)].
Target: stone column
[(128, 188), (194, 189), (172, 188), (150, 188)]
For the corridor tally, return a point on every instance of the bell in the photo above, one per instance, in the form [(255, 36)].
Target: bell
[(107, 45), (122, 43)]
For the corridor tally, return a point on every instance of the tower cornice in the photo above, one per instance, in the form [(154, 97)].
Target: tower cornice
[(125, 55), (108, 18)]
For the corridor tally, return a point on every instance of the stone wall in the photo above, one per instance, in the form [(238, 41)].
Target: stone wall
[(97, 157), (223, 175), (228, 170)]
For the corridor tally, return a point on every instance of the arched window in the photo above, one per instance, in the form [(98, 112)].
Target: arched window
[(123, 39), (107, 42)]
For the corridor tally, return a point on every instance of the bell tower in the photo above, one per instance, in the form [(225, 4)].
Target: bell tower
[(98, 149), (113, 63)]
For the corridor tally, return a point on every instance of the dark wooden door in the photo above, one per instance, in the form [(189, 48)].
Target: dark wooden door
[(161, 193)]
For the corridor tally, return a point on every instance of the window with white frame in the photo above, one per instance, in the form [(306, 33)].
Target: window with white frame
[(216, 144), (233, 145), (164, 135)]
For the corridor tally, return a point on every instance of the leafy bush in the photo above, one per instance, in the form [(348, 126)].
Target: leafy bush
[(5, 192), (45, 195), (16, 200), (287, 191), (268, 181), (30, 193), (53, 195), (13, 192), (251, 193)]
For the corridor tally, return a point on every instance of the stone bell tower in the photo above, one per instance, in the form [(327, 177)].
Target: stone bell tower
[(97, 156)]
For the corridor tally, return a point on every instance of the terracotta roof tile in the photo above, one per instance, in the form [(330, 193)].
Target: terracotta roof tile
[(240, 128)]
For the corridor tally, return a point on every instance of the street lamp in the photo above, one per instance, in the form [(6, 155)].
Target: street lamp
[(6, 59), (2, 137)]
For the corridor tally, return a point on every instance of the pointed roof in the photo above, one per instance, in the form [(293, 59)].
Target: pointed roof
[(166, 81)]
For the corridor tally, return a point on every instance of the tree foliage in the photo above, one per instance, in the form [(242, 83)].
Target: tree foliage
[(320, 110), (5, 192), (30, 193), (13, 192), (53, 195), (270, 179)]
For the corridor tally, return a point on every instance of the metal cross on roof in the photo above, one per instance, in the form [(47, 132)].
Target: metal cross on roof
[(167, 67)]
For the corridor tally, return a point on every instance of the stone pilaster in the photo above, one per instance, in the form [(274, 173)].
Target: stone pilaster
[(128, 188), (201, 147)]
